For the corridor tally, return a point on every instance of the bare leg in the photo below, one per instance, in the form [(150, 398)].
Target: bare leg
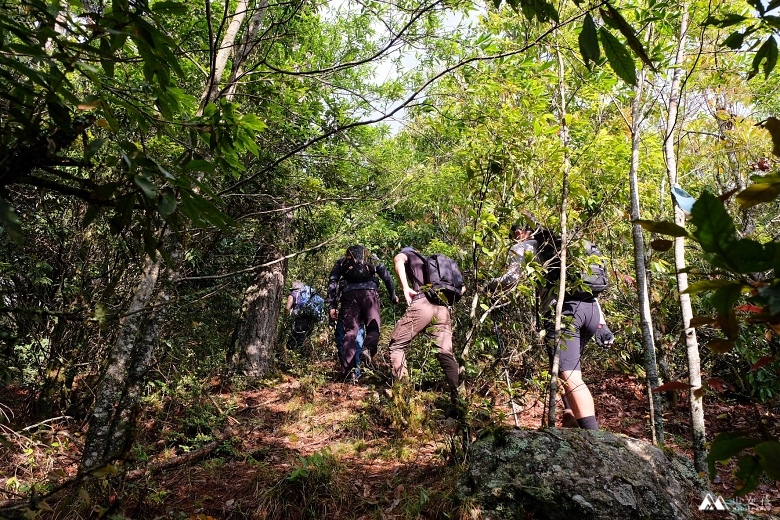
[(577, 394)]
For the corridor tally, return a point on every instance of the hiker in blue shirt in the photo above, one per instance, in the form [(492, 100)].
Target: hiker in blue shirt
[(302, 322)]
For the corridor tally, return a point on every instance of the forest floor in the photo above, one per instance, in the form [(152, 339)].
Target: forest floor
[(305, 446)]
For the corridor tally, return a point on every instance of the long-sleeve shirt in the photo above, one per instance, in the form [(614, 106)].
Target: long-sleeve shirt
[(339, 270), (514, 271)]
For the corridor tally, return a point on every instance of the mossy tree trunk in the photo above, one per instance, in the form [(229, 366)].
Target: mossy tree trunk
[(640, 257), (112, 422), (254, 345)]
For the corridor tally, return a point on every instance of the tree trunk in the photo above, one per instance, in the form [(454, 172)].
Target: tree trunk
[(254, 341), (248, 43), (691, 343), (112, 421), (645, 317), (564, 240), (220, 57)]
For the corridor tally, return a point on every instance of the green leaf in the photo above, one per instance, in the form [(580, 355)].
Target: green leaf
[(750, 256), (734, 40), (726, 296), (769, 456), (726, 445), (772, 125), (149, 189), (629, 34), (749, 473), (756, 194), (771, 296), (539, 9), (108, 113), (698, 321), (663, 227), (769, 178), (10, 221), (107, 57), (708, 285), (58, 112), (199, 165), (150, 244), (618, 57), (253, 122), (727, 21), (771, 56), (93, 147), (201, 211), (728, 324), (715, 229), (661, 244), (768, 52), (172, 8), (758, 6), (90, 215), (166, 204), (589, 41), (720, 345), (772, 20)]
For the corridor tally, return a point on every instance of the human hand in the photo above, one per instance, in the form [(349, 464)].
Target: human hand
[(334, 314), (604, 336), (395, 298), (409, 294)]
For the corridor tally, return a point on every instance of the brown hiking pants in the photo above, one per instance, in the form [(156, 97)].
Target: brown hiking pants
[(434, 320)]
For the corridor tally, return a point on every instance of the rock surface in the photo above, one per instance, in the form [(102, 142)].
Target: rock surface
[(577, 474)]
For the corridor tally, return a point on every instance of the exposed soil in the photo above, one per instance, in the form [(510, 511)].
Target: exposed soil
[(309, 447)]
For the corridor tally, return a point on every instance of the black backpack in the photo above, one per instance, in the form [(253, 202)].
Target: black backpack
[(594, 277), (359, 265), (548, 247), (591, 280), (442, 274)]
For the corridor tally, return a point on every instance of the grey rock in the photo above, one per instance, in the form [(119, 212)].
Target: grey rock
[(568, 474)]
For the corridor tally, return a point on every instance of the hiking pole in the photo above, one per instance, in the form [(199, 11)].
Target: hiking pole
[(506, 375)]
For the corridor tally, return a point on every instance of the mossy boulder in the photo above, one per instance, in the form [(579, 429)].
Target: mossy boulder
[(567, 474)]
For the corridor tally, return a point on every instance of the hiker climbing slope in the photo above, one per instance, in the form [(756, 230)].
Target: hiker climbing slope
[(306, 308), (427, 312), (338, 330), (359, 300), (582, 318)]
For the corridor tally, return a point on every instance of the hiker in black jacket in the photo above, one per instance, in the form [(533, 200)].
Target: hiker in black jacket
[(359, 301)]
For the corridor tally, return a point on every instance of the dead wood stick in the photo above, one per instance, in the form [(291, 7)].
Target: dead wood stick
[(181, 460)]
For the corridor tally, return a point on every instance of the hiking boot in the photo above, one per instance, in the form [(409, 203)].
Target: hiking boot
[(453, 412), (365, 358), (456, 409), (569, 421)]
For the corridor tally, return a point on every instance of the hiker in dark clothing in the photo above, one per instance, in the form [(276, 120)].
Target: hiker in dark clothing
[(582, 319), (359, 300), (338, 331)]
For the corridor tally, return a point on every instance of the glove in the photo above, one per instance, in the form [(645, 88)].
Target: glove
[(604, 336)]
